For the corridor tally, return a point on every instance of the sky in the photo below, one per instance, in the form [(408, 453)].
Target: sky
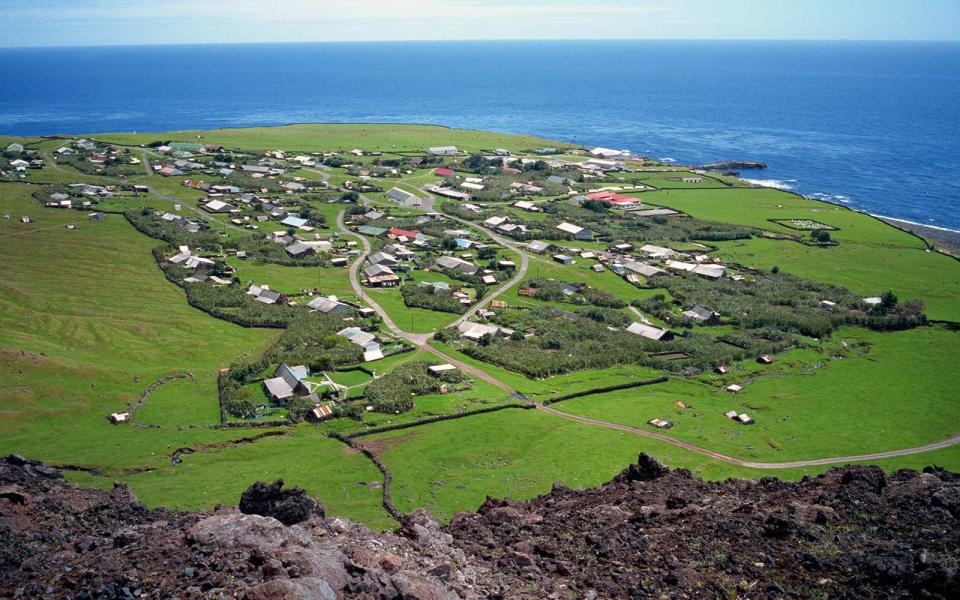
[(121, 22)]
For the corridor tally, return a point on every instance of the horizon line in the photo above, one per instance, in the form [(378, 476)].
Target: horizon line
[(487, 40)]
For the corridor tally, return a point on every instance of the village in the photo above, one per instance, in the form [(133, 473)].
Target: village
[(516, 260)]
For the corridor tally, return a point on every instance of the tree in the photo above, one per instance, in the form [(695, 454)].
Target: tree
[(820, 235), (775, 269), (888, 301)]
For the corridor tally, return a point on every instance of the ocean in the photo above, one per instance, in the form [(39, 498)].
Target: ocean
[(871, 125)]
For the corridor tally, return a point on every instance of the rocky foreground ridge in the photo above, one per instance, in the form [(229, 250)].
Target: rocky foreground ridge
[(649, 533)]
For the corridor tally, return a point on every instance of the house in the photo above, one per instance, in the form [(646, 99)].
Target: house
[(443, 172), (578, 233), (320, 412), (373, 215), (263, 293), (512, 229), (435, 286), (448, 193), (597, 268), (660, 423), (169, 171), (613, 199), (293, 186), (380, 276), (658, 252), (691, 179), (457, 264), (538, 247), (610, 154), (396, 232), (403, 197), (496, 221), (828, 304), (15, 148), (654, 212), (649, 331), (563, 259), (437, 370), (734, 388), (699, 313), (643, 269), (218, 206), (474, 331), (556, 180), (765, 359), (741, 418), (187, 146), (371, 231), (382, 258), (442, 150), (294, 221), (329, 305), (287, 382), (623, 248), (300, 249), (359, 337), (119, 417), (476, 187), (526, 205), (372, 355)]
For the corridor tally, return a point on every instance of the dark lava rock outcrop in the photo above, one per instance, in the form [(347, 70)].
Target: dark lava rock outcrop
[(651, 532)]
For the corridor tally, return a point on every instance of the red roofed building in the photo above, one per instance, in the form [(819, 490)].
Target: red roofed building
[(612, 198), (410, 235), (443, 172)]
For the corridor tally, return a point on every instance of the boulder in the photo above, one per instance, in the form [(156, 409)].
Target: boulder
[(290, 506)]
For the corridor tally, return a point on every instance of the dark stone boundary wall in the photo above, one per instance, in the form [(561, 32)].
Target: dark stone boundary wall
[(609, 388)]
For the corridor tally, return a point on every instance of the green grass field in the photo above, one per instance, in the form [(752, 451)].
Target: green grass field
[(332, 137), (896, 395), (872, 256), (87, 321)]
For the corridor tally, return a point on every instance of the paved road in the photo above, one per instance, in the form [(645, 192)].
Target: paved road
[(419, 340), (751, 464)]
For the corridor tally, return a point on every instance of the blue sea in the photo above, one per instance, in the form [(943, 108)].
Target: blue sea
[(871, 125)]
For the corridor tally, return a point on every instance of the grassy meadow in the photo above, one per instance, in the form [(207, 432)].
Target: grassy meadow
[(88, 321)]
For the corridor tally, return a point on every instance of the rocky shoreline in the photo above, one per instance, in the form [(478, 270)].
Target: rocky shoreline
[(946, 240), (651, 532)]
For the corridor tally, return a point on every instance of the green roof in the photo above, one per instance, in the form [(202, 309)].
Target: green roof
[(372, 231), (190, 146)]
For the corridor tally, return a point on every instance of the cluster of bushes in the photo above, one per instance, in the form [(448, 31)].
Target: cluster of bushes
[(394, 392), (310, 339), (594, 338), (118, 166), (431, 298), (612, 224), (552, 290), (249, 183), (257, 246), (784, 302), (147, 222)]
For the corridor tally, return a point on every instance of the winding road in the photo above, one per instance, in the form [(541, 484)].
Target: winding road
[(421, 341)]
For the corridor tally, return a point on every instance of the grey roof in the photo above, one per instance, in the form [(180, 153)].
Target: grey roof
[(374, 270), (699, 313), (328, 305), (298, 249)]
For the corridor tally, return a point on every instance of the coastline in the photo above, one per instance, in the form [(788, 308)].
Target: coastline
[(941, 238)]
